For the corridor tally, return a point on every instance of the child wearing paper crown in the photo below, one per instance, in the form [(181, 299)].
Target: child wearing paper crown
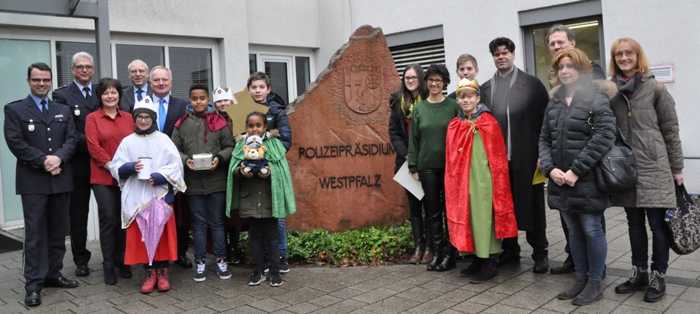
[(261, 199), (478, 200)]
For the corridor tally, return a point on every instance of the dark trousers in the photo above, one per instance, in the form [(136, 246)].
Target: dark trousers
[(208, 213), (112, 236), (660, 244), (182, 223), (264, 237), (44, 236), (79, 209), (418, 221), (536, 232), (433, 182)]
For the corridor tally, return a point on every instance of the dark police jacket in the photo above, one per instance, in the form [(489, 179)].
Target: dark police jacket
[(31, 135), (71, 96)]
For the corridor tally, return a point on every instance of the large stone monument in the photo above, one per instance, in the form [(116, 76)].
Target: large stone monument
[(341, 159)]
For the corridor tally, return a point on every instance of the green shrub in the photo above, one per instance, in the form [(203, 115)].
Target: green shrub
[(367, 246)]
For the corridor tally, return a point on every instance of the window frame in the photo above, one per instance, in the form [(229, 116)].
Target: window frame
[(286, 52)]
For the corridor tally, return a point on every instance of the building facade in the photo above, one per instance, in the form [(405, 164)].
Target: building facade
[(219, 42)]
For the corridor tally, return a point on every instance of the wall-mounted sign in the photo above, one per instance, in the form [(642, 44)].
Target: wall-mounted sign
[(663, 72)]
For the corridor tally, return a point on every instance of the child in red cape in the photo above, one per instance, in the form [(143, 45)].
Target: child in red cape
[(478, 200)]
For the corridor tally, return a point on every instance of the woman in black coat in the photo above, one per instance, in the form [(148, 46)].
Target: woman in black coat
[(577, 130), (402, 103)]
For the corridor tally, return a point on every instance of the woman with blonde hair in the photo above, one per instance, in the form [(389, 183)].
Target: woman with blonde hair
[(646, 115)]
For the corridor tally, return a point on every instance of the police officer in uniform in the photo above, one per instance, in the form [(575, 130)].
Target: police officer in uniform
[(42, 135), (79, 96)]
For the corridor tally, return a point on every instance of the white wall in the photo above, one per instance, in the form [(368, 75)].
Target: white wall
[(284, 22)]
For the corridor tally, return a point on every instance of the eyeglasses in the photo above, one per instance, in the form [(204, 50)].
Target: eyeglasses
[(144, 118), (432, 80), (410, 78)]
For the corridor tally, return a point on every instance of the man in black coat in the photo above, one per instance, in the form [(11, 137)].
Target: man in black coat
[(170, 109), (138, 75), (42, 136), (80, 98), (518, 101)]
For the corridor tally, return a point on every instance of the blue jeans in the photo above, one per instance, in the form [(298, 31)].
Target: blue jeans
[(208, 211), (282, 230), (589, 247), (660, 243)]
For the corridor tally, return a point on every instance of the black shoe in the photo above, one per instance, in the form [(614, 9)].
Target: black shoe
[(566, 268), (82, 270), (447, 263), (541, 266), (32, 298), (656, 289), (255, 278), (432, 266), (61, 282), (509, 257), (110, 275), (283, 265), (638, 282), (183, 261), (472, 269), (487, 271), (125, 271)]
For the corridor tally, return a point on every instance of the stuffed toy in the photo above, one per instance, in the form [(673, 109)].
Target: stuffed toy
[(254, 154)]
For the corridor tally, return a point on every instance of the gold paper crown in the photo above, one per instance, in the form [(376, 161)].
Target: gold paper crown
[(466, 83)]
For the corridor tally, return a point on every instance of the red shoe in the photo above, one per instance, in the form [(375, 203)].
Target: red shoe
[(149, 282), (163, 281)]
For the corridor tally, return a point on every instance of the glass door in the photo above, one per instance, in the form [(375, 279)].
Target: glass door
[(589, 38), (15, 56), (281, 72)]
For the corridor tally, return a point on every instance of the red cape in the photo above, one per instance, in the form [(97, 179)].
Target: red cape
[(460, 137)]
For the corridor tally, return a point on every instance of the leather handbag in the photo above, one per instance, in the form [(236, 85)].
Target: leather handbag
[(684, 223), (617, 170)]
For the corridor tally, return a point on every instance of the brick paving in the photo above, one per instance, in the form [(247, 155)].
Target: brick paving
[(383, 289)]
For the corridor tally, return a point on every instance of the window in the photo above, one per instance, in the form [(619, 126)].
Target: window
[(190, 66), (152, 55), (64, 54), (425, 53), (303, 66), (290, 69), (587, 33)]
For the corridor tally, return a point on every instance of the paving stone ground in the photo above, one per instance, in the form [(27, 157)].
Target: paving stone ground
[(382, 289)]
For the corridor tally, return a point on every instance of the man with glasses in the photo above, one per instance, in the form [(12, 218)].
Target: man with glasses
[(138, 75), (41, 135), (80, 98), (518, 101)]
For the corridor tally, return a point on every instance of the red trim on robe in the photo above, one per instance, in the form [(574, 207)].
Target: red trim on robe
[(136, 251), (460, 137)]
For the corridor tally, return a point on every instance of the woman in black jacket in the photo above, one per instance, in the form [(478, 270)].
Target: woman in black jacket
[(578, 129), (402, 102)]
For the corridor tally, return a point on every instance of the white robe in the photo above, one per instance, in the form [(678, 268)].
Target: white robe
[(165, 159)]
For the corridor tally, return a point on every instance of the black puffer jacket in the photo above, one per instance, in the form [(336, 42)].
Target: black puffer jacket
[(398, 134), (576, 137)]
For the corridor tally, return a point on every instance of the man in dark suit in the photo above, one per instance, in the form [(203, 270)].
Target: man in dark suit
[(518, 101), (138, 74), (80, 98), (42, 136), (169, 110)]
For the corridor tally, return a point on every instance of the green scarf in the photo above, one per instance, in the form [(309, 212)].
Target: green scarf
[(283, 202), (407, 107)]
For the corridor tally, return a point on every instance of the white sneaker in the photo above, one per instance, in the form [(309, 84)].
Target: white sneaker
[(200, 271)]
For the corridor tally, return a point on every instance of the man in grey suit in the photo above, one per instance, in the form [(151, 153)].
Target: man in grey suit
[(138, 74)]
